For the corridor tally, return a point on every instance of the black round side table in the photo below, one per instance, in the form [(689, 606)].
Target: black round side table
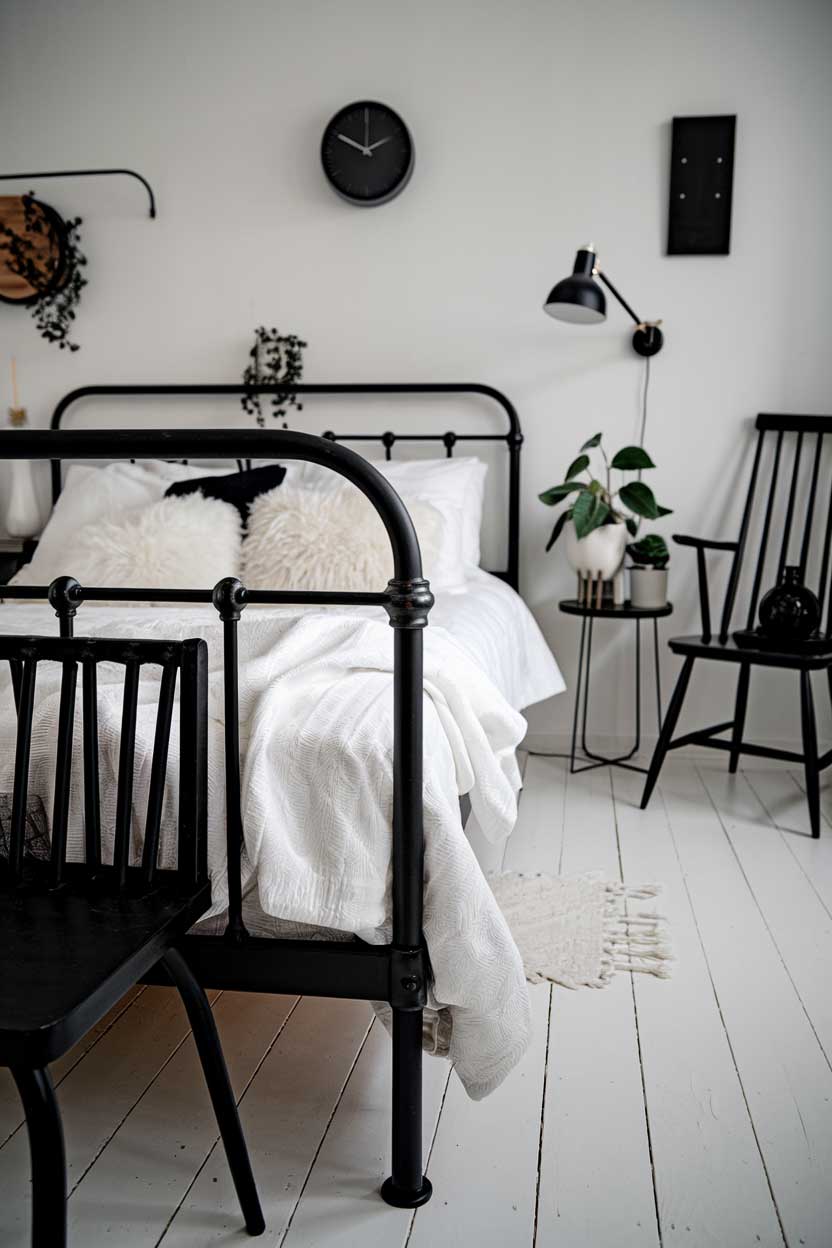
[(589, 614)]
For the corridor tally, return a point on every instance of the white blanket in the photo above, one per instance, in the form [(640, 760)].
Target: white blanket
[(316, 732)]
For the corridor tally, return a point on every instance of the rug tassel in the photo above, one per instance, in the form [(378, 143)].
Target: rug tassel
[(581, 932)]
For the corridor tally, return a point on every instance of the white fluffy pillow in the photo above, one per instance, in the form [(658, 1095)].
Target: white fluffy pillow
[(96, 496), (302, 538), (455, 487), (175, 543)]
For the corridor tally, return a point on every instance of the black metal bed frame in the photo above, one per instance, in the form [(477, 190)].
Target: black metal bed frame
[(397, 973)]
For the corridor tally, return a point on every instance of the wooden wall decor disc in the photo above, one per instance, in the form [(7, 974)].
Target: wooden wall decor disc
[(50, 252)]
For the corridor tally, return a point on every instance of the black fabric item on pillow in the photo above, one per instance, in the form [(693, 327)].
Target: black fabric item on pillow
[(238, 488)]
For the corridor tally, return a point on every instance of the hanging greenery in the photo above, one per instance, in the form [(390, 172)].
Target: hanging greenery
[(276, 360), (30, 255)]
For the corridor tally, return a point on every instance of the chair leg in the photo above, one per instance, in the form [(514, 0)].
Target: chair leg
[(46, 1148), (666, 734), (739, 715), (810, 752), (407, 1187), (208, 1046)]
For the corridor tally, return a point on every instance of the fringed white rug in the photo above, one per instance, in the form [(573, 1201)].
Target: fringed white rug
[(577, 932)]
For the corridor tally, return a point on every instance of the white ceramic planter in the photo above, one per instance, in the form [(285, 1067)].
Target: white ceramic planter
[(648, 587), (599, 554)]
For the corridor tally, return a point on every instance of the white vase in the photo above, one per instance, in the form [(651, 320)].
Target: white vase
[(22, 509), (600, 554)]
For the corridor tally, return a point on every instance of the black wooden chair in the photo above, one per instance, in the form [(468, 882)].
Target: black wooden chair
[(770, 512), (74, 936)]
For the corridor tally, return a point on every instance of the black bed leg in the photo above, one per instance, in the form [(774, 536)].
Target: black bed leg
[(407, 1186), (666, 734), (219, 1086), (46, 1148)]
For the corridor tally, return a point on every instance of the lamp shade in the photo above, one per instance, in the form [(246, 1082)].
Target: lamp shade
[(578, 298)]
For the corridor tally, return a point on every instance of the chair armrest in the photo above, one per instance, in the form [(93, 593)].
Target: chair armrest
[(700, 545), (703, 543)]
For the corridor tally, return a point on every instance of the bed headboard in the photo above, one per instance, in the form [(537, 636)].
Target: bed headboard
[(513, 438)]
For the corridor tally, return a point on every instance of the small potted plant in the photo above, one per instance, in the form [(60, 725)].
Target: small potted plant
[(599, 517), (648, 575)]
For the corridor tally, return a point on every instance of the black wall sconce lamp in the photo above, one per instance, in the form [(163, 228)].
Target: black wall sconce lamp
[(580, 300)]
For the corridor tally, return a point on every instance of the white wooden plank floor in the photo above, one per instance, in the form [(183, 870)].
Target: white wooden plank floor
[(690, 1111)]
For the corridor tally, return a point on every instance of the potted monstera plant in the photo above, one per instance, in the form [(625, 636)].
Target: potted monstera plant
[(599, 517)]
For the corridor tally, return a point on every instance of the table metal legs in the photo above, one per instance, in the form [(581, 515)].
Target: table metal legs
[(582, 702)]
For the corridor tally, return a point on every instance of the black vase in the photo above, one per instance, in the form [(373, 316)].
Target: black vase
[(790, 611)]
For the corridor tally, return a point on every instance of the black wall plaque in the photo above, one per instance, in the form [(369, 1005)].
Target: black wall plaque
[(701, 179)]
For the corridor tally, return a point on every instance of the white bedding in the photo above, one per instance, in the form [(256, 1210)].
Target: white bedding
[(316, 732)]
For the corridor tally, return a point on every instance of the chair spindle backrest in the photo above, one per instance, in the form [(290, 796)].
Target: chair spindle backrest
[(185, 660), (792, 488)]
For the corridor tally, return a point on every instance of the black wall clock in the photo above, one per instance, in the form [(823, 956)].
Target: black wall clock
[(367, 153)]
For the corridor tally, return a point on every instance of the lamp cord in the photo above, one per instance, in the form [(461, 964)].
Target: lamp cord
[(644, 389)]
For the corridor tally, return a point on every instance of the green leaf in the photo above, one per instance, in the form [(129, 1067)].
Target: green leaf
[(639, 498), (582, 510), (632, 459), (632, 526), (577, 466), (598, 517), (558, 529), (559, 492), (664, 511), (595, 441), (651, 551), (588, 513)]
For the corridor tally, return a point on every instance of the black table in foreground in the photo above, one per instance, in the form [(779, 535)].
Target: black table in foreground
[(589, 614)]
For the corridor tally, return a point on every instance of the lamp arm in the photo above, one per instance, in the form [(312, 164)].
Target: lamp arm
[(625, 305)]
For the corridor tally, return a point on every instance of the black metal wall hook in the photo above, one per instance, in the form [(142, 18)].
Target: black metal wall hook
[(84, 173)]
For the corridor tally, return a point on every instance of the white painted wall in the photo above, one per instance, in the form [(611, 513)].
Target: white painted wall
[(537, 125)]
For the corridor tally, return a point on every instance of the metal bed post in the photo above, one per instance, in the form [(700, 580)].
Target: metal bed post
[(409, 603), (229, 598)]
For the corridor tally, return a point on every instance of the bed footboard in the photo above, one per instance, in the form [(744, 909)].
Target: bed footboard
[(398, 972)]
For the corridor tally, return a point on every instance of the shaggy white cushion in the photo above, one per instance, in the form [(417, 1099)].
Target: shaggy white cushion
[(96, 496), (302, 538), (455, 487), (175, 543)]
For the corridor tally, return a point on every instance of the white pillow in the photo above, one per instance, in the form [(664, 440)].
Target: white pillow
[(455, 487), (96, 495), (175, 543), (445, 483), (302, 537)]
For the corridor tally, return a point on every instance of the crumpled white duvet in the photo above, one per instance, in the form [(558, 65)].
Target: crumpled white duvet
[(316, 733)]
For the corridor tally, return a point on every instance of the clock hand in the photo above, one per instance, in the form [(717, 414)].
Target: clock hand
[(379, 142), (366, 128), (365, 151)]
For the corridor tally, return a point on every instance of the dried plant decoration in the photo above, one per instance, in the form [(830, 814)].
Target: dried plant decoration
[(46, 256), (276, 360)]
